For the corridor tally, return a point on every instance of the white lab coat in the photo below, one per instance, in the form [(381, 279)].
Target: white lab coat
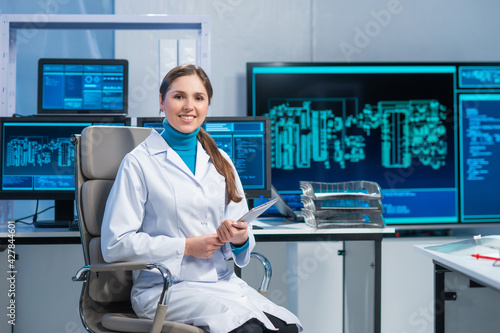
[(155, 204)]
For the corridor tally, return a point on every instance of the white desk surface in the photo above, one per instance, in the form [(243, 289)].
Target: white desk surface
[(29, 231), (281, 226), (270, 226), (457, 257)]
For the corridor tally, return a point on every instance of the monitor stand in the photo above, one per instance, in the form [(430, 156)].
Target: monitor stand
[(63, 215)]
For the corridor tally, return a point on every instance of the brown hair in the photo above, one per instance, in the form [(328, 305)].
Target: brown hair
[(221, 164)]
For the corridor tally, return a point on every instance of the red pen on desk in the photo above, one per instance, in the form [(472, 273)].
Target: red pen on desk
[(478, 256)]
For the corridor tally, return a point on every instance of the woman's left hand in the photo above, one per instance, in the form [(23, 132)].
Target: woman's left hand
[(233, 231)]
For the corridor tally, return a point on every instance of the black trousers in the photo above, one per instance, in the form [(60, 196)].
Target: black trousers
[(255, 326)]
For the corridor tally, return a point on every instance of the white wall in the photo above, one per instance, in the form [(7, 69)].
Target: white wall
[(33, 44), (324, 30), (241, 31), (407, 30)]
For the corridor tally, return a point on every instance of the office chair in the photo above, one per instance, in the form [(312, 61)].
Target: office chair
[(105, 297)]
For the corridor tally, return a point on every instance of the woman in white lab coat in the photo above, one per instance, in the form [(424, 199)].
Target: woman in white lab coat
[(174, 202)]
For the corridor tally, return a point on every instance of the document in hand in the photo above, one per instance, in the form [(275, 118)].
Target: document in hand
[(257, 211)]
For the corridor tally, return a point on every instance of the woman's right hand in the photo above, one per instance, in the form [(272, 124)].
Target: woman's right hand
[(202, 246)]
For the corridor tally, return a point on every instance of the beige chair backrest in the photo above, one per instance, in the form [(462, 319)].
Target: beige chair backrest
[(98, 155)]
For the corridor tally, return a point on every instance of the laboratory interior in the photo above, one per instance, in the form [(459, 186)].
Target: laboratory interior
[(368, 126)]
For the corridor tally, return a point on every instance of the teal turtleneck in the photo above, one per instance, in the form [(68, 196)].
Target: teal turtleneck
[(184, 144)]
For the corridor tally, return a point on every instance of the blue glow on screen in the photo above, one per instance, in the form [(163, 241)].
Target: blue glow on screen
[(391, 124), (480, 146), (244, 142), (428, 134), (39, 156), (83, 87)]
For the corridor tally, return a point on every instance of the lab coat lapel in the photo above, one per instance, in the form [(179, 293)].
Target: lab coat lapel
[(160, 149), (173, 158), (202, 159)]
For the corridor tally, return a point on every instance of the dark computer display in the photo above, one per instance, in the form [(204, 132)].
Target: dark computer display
[(425, 133), (82, 86), (247, 142), (151, 122), (37, 156)]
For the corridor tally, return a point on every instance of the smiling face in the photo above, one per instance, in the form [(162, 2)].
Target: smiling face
[(185, 103)]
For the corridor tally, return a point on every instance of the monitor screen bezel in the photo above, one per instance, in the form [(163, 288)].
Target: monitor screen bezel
[(49, 194), (67, 61)]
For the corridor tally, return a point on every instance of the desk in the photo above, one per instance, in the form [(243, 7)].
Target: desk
[(455, 258), (29, 235), (45, 295), (282, 230), (273, 230)]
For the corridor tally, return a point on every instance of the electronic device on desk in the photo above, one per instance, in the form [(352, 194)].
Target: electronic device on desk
[(37, 160), (419, 130), (247, 141), (82, 86)]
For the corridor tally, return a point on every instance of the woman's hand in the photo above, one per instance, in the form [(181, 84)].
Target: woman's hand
[(233, 231), (202, 246)]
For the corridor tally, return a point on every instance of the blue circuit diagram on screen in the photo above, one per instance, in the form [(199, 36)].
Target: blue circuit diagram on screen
[(39, 152), (409, 130)]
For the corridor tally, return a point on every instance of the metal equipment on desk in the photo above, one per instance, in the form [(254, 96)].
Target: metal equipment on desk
[(345, 204)]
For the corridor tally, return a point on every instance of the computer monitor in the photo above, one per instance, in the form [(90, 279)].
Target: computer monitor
[(82, 86), (37, 158), (479, 129), (427, 133), (151, 122), (247, 142)]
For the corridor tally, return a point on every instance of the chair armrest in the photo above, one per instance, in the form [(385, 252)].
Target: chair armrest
[(268, 272), (82, 273), (107, 267)]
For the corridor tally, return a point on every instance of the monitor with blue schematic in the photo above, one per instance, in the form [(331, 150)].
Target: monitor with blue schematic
[(247, 142), (37, 158), (82, 86), (426, 132)]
